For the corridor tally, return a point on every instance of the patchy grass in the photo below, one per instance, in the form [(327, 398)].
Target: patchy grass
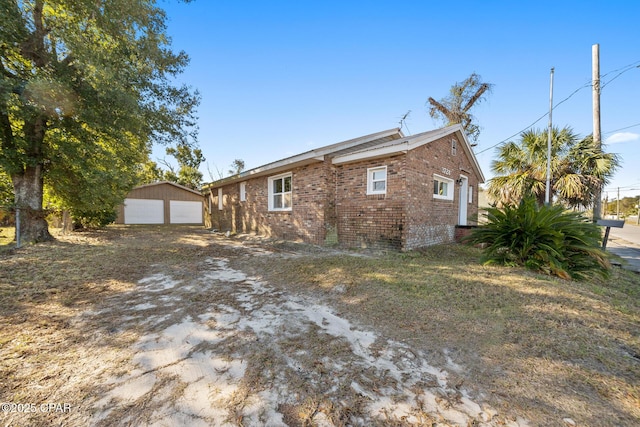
[(6, 236), (45, 288), (529, 345), (541, 346)]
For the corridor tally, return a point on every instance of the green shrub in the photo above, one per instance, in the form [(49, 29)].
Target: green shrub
[(542, 238), (94, 219)]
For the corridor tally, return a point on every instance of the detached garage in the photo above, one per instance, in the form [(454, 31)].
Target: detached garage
[(162, 203)]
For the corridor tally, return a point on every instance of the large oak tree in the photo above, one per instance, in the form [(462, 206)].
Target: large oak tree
[(87, 86)]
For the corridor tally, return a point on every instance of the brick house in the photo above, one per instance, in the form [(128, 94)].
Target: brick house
[(384, 190)]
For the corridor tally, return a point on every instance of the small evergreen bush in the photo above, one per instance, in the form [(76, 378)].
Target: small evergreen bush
[(548, 239)]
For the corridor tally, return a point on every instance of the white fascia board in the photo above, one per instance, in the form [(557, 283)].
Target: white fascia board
[(357, 141), (302, 159), (471, 154), (393, 147), (427, 137), (410, 143), (372, 154), (270, 169)]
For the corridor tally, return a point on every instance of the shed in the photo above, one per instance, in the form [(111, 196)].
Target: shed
[(162, 203)]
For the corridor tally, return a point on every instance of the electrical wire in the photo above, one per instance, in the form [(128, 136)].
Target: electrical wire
[(624, 70), (587, 84), (618, 130)]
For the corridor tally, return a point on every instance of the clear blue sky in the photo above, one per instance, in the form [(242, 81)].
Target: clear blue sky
[(281, 77)]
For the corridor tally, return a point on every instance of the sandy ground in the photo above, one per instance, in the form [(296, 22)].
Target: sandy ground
[(216, 347)]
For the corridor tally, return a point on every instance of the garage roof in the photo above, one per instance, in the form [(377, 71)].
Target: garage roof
[(182, 187)]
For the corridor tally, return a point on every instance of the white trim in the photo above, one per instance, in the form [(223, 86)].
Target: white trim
[(220, 202), (370, 180), (470, 201), (450, 187), (309, 157), (372, 153), (463, 200), (243, 191), (284, 194), (405, 144)]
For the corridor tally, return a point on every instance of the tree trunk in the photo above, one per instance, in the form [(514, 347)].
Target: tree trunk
[(68, 225), (28, 189)]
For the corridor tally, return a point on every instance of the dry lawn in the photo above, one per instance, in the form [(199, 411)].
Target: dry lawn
[(421, 338), (6, 236)]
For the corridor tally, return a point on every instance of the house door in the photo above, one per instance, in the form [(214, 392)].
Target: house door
[(464, 197)]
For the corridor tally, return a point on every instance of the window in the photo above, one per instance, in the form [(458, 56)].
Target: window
[(454, 147), (471, 194), (243, 191), (280, 193), (220, 205), (442, 188), (377, 180)]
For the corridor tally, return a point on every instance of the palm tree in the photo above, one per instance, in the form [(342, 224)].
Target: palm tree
[(578, 168), (455, 108)]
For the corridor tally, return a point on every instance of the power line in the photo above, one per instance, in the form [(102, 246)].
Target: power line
[(624, 70), (626, 127), (628, 188), (541, 117), (587, 84)]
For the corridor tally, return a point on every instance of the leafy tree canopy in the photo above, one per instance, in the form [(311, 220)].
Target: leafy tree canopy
[(627, 206), (189, 161), (237, 166), (87, 86), (6, 190)]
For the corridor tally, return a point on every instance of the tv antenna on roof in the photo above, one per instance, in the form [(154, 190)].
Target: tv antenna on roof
[(403, 123)]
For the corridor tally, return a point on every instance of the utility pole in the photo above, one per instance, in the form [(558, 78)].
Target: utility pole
[(618, 205), (597, 142), (547, 192)]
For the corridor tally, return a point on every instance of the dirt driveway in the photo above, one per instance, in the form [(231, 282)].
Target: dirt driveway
[(181, 327), (221, 347)]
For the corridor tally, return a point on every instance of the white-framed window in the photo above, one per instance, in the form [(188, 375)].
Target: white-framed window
[(442, 187), (470, 194), (280, 192), (220, 203), (243, 191), (454, 147), (377, 180)]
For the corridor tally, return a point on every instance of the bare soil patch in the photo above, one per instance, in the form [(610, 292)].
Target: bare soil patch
[(179, 326)]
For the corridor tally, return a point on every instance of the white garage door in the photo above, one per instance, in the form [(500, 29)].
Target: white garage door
[(185, 212), (143, 211)]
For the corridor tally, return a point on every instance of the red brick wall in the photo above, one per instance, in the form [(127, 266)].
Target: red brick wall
[(363, 220), (306, 220), (331, 205), (432, 220)]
